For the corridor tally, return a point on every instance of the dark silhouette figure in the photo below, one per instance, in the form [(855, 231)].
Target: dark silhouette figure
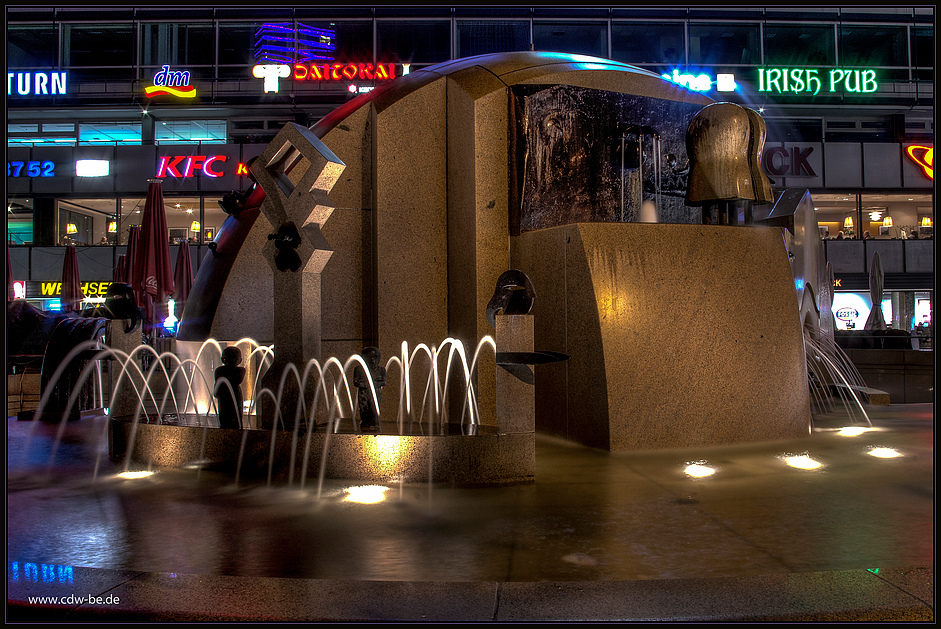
[(368, 410), (229, 402), (287, 240)]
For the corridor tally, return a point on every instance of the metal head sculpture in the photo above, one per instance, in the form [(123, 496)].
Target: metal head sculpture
[(717, 142), (120, 304), (514, 295)]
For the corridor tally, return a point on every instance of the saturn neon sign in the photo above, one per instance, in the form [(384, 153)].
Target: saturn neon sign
[(924, 157)]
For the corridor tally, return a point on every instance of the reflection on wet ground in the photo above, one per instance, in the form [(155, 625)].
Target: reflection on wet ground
[(590, 514)]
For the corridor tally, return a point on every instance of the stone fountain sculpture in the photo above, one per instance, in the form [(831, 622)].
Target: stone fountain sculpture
[(297, 172)]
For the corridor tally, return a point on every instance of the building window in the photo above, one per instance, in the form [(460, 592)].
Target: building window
[(923, 53), (485, 37), (177, 44), (98, 45), (799, 45), (581, 38), (32, 46), (236, 50), (723, 44), (873, 46), (643, 42), (191, 132), (413, 42), (109, 133)]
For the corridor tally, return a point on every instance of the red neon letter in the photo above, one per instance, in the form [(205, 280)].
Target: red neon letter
[(300, 72), (168, 167), (194, 163), (207, 167)]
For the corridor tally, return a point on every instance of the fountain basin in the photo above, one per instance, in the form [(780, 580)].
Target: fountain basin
[(485, 458)]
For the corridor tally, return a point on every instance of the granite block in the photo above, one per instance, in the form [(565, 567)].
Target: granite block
[(713, 376)]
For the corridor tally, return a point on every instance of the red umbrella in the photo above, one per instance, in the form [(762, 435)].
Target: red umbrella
[(152, 272), (10, 292), (72, 295), (183, 275), (120, 269)]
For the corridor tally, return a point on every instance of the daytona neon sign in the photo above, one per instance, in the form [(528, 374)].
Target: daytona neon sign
[(326, 72)]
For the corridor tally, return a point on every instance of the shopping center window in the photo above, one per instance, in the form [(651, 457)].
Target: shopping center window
[(98, 45), (923, 52), (581, 38), (32, 46), (410, 41), (484, 37), (718, 44), (643, 42), (177, 44), (191, 132), (799, 45), (109, 133), (236, 49), (873, 46)]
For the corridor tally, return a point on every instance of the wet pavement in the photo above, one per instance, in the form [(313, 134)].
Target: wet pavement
[(592, 520)]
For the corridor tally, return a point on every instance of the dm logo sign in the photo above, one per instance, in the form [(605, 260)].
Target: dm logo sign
[(847, 314), (169, 82)]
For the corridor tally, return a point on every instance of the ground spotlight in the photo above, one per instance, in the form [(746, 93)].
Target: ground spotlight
[(884, 453), (366, 494), (802, 462), (699, 469)]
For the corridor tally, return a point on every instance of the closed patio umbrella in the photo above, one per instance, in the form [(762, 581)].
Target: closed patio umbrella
[(71, 295), (876, 321), (183, 275), (152, 272), (10, 292), (133, 241)]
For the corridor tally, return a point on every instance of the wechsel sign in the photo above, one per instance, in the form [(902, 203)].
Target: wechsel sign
[(813, 81)]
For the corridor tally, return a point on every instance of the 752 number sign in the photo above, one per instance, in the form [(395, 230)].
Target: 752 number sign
[(31, 169)]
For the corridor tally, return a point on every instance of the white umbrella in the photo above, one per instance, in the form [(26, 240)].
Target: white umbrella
[(876, 284)]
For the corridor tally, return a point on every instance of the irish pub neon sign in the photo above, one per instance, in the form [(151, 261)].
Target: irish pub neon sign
[(812, 82)]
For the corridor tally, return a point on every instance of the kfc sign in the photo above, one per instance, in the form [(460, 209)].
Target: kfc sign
[(190, 165)]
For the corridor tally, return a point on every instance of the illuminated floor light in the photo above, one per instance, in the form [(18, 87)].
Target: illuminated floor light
[(135, 474), (699, 470), (366, 494), (853, 431), (884, 453), (802, 462)]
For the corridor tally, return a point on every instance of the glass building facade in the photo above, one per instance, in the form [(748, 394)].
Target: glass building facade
[(160, 83)]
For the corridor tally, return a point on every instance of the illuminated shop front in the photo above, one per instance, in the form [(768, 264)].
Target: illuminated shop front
[(190, 97)]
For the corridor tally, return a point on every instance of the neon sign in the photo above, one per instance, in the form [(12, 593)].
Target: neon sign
[(924, 157), (847, 314), (33, 169), (37, 83), (702, 82), (168, 82), (52, 289), (271, 73), (776, 158), (804, 81), (188, 165), (285, 43), (326, 72)]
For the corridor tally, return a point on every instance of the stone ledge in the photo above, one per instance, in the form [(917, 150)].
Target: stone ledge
[(895, 594)]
